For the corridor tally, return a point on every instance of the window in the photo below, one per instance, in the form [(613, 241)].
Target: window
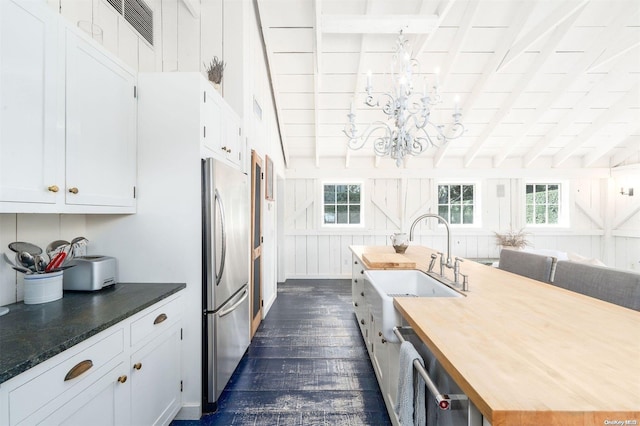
[(456, 203), (543, 203), (342, 204)]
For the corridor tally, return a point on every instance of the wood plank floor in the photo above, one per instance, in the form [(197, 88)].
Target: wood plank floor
[(307, 365)]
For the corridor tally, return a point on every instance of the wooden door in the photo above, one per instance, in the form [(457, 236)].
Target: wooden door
[(256, 241)]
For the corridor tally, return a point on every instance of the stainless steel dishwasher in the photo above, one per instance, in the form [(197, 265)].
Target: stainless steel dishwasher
[(459, 410)]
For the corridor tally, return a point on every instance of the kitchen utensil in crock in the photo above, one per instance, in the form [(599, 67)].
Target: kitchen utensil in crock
[(56, 262), (40, 263), (26, 260), (6, 259), (54, 246), (23, 270), (18, 246)]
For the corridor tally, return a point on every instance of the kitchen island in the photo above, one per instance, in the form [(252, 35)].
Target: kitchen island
[(526, 352)]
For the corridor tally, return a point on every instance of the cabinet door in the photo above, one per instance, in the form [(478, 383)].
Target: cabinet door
[(211, 115), (30, 142), (104, 403), (155, 380), (101, 126), (232, 138)]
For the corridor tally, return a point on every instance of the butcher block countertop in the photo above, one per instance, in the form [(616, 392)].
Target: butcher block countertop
[(529, 353)]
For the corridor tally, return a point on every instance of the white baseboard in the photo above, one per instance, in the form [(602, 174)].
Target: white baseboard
[(189, 412)]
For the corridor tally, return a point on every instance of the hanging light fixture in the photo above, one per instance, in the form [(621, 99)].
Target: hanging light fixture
[(408, 129)]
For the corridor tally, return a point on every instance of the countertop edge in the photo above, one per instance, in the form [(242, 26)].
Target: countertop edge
[(68, 343)]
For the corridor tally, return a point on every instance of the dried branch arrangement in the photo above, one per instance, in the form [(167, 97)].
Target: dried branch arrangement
[(517, 239), (215, 70)]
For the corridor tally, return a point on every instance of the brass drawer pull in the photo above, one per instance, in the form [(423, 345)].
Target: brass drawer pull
[(160, 318), (122, 378), (73, 190), (53, 188), (78, 369)]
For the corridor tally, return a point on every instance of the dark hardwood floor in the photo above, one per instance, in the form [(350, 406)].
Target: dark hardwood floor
[(307, 365)]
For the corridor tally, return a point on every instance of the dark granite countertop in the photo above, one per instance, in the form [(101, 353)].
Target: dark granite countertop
[(31, 334)]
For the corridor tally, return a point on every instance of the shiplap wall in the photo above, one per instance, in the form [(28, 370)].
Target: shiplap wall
[(391, 204)]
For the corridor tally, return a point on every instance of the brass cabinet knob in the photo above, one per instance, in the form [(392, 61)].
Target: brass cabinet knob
[(384, 340), (73, 190), (362, 293), (380, 333), (53, 188), (355, 304), (362, 321), (137, 365), (122, 378)]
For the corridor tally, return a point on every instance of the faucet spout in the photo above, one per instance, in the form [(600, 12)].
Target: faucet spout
[(446, 224)]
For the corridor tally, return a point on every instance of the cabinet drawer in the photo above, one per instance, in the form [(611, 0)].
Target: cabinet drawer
[(155, 321), (65, 379)]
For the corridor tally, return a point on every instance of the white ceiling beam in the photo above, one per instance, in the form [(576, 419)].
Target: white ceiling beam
[(276, 91), (193, 6), (605, 118), (523, 82), (565, 11), (556, 92), (489, 69), (461, 34), (317, 73), (359, 78), (604, 148), (614, 52), (378, 24), (441, 12), (625, 154)]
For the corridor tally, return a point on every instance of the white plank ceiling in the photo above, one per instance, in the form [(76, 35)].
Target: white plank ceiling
[(542, 83)]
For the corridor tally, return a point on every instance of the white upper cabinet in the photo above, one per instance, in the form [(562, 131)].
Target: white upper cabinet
[(31, 132), (101, 127), (67, 117)]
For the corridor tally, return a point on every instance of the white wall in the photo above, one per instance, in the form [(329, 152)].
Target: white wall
[(598, 228)]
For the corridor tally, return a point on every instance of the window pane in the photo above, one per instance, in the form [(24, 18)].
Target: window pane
[(444, 212), (529, 194), (455, 214), (342, 196), (354, 214), (354, 194), (467, 214), (541, 194), (329, 214), (541, 214), (530, 214), (342, 214), (467, 194), (553, 214), (554, 194), (443, 194), (455, 194), (329, 193)]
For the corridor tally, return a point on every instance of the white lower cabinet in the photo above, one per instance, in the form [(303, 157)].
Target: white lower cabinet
[(111, 378), (156, 371)]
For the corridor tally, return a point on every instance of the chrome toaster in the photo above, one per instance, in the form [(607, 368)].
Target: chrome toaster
[(90, 273)]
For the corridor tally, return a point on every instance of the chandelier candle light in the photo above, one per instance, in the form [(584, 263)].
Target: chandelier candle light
[(408, 129)]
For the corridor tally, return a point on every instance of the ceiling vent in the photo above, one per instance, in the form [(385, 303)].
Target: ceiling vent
[(138, 14)]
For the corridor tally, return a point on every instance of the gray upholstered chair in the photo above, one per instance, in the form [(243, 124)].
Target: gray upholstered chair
[(611, 285), (530, 265)]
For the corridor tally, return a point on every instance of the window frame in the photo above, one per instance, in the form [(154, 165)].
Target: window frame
[(322, 204), (477, 204), (563, 204)]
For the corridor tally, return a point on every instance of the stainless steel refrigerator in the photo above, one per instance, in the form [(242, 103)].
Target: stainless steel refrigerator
[(225, 275)]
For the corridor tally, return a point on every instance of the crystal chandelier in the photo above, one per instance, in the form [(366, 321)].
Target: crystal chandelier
[(408, 129)]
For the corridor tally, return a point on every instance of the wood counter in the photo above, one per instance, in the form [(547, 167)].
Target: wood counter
[(529, 353)]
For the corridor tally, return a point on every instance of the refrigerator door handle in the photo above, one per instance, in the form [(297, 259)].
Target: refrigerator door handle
[(223, 235), (233, 307)]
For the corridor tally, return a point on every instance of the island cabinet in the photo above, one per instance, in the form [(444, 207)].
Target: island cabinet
[(128, 374), (68, 117)]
